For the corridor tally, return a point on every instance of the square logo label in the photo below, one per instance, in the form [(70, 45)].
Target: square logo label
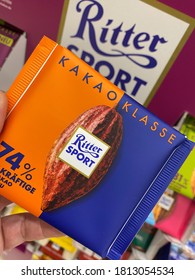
[(83, 152)]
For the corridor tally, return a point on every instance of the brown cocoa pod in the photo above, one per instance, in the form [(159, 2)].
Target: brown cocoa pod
[(62, 183)]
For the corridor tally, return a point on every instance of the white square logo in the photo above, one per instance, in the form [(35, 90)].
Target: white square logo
[(83, 152)]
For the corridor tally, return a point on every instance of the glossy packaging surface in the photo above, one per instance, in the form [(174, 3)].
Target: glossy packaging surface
[(82, 155)]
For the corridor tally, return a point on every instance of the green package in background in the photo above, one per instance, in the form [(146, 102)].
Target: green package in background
[(184, 180), (144, 237)]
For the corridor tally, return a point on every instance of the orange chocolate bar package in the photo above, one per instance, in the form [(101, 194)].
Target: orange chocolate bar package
[(81, 154)]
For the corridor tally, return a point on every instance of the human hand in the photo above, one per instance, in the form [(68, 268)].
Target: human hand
[(18, 228)]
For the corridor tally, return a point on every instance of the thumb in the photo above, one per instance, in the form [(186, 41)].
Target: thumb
[(3, 108)]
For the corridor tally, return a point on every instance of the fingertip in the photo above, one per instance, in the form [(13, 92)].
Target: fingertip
[(3, 108), (3, 98)]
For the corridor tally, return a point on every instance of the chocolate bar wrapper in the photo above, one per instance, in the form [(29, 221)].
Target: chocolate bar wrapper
[(82, 155)]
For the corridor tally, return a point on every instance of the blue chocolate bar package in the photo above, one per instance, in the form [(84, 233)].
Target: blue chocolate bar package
[(81, 154)]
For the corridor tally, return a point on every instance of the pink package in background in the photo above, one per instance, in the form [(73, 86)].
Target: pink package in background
[(177, 221)]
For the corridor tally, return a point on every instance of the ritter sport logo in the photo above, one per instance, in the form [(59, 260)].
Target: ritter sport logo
[(84, 152), (129, 42)]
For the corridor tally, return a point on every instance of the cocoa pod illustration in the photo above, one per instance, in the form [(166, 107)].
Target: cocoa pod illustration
[(62, 183)]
